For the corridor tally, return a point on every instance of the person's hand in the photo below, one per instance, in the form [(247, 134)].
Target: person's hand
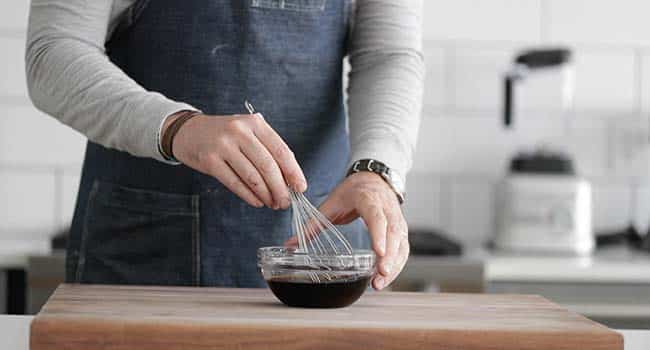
[(367, 195), (244, 153)]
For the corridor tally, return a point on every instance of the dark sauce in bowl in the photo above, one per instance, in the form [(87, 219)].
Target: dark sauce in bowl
[(324, 294)]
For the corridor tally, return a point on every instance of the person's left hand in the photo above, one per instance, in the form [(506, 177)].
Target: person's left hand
[(368, 196)]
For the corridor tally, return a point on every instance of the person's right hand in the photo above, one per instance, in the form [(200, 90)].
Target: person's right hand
[(244, 153)]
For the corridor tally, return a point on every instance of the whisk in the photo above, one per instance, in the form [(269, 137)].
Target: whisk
[(317, 236), (318, 239)]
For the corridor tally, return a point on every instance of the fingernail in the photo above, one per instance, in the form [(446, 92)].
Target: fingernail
[(379, 282), (302, 185)]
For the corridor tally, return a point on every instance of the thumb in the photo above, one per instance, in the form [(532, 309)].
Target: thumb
[(337, 210), (329, 208)]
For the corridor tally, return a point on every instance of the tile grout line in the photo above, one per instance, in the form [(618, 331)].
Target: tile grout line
[(15, 100), (449, 84), (544, 16), (638, 80), (476, 44), (33, 168), (640, 70), (13, 33), (445, 203), (634, 188)]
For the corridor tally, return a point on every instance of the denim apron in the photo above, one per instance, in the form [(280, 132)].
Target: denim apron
[(140, 221)]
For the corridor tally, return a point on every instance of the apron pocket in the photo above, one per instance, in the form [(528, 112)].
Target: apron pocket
[(133, 236), (291, 5)]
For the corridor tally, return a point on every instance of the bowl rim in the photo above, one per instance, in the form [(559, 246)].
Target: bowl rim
[(361, 258), (355, 252)]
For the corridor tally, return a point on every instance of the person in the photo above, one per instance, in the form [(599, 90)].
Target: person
[(180, 185)]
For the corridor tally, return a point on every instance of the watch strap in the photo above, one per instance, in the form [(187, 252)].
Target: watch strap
[(167, 139), (377, 167)]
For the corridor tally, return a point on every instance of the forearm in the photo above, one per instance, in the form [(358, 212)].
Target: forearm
[(71, 78), (386, 82)]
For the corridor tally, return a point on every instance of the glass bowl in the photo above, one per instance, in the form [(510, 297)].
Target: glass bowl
[(302, 280)]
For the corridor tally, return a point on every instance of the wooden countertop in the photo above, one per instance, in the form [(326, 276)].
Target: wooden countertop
[(120, 317)]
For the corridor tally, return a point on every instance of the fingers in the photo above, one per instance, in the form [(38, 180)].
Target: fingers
[(283, 156), (244, 153), (380, 281), (390, 265), (250, 176), (396, 232), (331, 208), (269, 170), (227, 176), (372, 213), (388, 231)]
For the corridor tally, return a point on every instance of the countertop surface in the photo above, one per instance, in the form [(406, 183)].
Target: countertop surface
[(14, 334), (612, 265)]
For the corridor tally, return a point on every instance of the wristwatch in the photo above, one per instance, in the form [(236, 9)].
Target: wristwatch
[(379, 168)]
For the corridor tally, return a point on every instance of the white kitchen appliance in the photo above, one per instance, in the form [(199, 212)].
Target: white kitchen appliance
[(543, 206)]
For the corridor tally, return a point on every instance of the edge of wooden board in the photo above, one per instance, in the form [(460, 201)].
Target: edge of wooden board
[(49, 333)]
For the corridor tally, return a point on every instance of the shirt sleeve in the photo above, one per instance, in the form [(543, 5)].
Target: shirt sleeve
[(385, 81), (70, 78)]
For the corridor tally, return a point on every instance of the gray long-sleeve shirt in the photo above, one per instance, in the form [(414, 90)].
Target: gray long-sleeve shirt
[(71, 78)]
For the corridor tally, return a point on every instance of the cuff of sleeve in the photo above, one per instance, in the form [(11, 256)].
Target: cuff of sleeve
[(164, 113)]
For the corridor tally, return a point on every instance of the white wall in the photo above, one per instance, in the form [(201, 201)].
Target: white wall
[(463, 150), (39, 157)]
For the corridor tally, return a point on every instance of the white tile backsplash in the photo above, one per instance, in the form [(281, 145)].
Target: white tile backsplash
[(641, 207), (476, 75), (612, 205), (434, 84), (615, 22), (606, 82), (13, 15), (12, 66), (503, 20), (588, 142), (472, 209), (28, 136), (477, 82), (597, 90), (26, 204), (456, 144), (422, 209), (629, 146), (69, 188), (644, 58)]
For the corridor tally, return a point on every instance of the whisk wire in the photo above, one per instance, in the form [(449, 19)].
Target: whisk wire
[(318, 239), (317, 236)]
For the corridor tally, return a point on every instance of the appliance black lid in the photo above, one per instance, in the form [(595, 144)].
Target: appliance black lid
[(540, 58), (542, 162)]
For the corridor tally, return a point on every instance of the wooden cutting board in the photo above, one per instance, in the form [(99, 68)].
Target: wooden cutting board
[(92, 317)]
